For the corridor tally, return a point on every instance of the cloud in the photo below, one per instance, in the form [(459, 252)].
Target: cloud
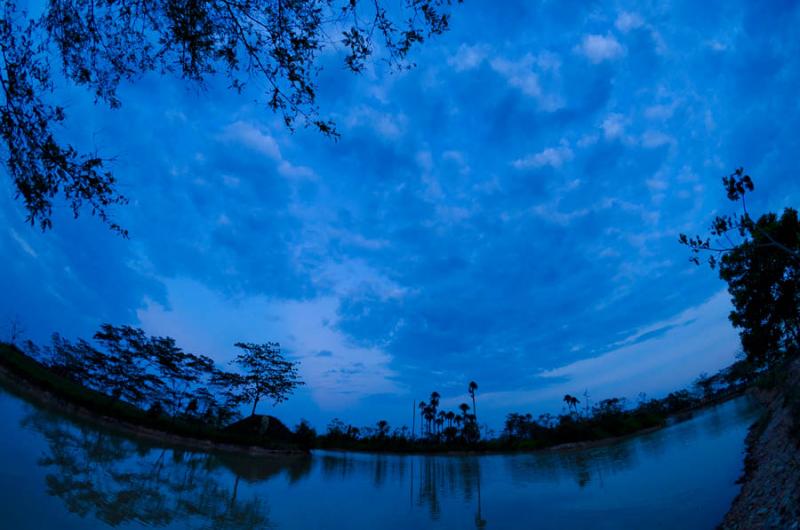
[(627, 21), (24, 245), (468, 57), (524, 75), (435, 269), (652, 139), (600, 48), (251, 136), (658, 358), (254, 138), (388, 126), (554, 157), (613, 126), (519, 74), (336, 371)]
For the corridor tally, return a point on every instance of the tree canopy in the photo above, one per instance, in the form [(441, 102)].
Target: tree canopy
[(155, 374), (98, 45), (760, 261), (267, 373)]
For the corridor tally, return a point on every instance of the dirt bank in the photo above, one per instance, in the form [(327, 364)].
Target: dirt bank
[(770, 495)]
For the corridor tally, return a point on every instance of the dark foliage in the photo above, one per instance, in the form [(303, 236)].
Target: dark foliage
[(152, 380), (273, 44), (267, 373), (762, 270), (447, 431)]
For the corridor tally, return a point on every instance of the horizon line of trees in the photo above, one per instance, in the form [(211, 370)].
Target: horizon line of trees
[(154, 374), (447, 430)]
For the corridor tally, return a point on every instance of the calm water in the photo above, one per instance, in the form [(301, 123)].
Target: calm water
[(58, 474)]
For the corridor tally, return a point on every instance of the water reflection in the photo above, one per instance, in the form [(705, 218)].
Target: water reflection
[(431, 481), (581, 466), (118, 480), (679, 477)]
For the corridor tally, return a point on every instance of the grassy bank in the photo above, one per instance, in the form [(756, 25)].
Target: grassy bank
[(36, 381)]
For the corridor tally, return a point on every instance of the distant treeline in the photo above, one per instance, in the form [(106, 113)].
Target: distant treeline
[(444, 431), (173, 387)]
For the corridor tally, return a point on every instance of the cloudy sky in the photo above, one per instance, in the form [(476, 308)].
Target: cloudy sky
[(506, 212)]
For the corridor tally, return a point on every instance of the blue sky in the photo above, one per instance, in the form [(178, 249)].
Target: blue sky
[(506, 212)]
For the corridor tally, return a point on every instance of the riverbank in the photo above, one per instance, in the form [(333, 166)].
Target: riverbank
[(27, 377), (770, 494)]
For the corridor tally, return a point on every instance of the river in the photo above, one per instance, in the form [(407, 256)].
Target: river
[(60, 473)]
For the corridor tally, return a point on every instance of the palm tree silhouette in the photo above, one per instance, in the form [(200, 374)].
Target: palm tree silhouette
[(473, 386), (440, 420), (464, 408), (383, 428), (572, 403)]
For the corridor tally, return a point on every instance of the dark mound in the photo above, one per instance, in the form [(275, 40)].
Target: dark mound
[(261, 426)]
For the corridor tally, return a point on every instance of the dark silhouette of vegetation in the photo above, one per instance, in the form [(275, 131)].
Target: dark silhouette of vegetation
[(267, 373), (613, 417), (151, 381), (759, 259), (100, 46), (448, 431), (439, 430), (572, 403)]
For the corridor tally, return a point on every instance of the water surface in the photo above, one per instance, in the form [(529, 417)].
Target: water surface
[(56, 472)]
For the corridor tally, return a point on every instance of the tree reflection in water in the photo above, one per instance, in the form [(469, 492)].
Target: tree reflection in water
[(582, 466), (118, 480), (456, 476), (430, 478)]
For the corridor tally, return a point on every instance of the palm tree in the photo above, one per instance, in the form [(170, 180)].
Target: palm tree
[(473, 386), (422, 406), (464, 408), (450, 415), (383, 428), (572, 403), (435, 401), (429, 416)]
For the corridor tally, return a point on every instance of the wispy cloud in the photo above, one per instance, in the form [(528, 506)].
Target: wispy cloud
[(554, 157), (208, 322), (600, 48)]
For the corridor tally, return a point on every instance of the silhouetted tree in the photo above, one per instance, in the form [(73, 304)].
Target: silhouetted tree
[(762, 271), (99, 45), (572, 403), (124, 372), (472, 389), (267, 373), (383, 428)]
